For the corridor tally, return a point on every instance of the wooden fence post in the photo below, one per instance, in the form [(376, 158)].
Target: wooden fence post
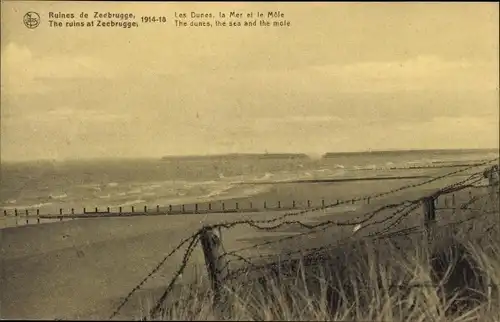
[(107, 209), (27, 222), (132, 208), (209, 206), (265, 205), (237, 206), (120, 210), (5, 213), (308, 203), (293, 204), (15, 212), (195, 208), (145, 209), (60, 214), (323, 203), (279, 204), (183, 209), (157, 208), (223, 207), (84, 210), (38, 216), (216, 265), (170, 208), (429, 208)]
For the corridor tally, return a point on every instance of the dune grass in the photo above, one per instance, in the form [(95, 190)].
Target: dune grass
[(455, 280)]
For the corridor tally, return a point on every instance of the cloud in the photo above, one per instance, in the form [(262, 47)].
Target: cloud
[(421, 66), (67, 116), (464, 124), (450, 131), (421, 73), (310, 119), (25, 72)]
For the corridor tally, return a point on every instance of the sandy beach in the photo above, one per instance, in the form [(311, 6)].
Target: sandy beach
[(88, 265)]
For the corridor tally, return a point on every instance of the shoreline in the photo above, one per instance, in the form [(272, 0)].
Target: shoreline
[(105, 258), (281, 196), (223, 190)]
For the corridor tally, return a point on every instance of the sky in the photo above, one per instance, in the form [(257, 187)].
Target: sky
[(342, 77)]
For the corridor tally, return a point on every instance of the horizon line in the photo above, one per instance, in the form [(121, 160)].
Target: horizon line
[(309, 154)]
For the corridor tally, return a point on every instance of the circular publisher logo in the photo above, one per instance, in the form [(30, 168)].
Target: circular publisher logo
[(31, 20)]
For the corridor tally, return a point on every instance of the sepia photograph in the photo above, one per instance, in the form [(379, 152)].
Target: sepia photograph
[(252, 161)]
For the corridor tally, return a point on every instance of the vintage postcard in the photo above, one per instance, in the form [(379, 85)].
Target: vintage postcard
[(249, 160)]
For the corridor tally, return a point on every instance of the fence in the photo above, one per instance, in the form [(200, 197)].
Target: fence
[(183, 209), (34, 216), (26, 216), (385, 222)]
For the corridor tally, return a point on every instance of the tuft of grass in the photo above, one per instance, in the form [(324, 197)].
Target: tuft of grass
[(400, 279)]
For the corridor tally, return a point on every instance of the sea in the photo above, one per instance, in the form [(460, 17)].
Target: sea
[(174, 180)]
